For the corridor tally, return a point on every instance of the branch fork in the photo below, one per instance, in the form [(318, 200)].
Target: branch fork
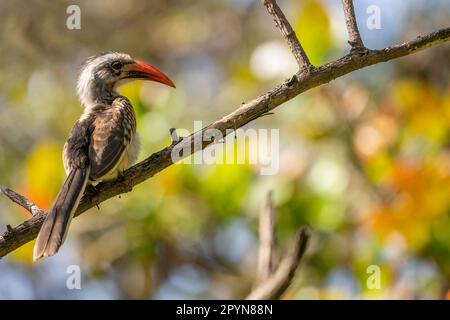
[(354, 36), (174, 136), (21, 200), (273, 280)]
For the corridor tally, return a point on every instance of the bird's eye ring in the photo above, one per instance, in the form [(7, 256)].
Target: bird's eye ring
[(116, 65)]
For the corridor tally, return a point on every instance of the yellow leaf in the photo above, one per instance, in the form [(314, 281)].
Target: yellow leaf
[(44, 172), (313, 29)]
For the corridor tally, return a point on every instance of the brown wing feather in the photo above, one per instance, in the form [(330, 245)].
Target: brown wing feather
[(109, 139)]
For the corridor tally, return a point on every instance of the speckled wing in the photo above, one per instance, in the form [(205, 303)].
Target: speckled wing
[(76, 149), (110, 138)]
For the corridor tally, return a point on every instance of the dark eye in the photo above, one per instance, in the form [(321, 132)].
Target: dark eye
[(116, 65)]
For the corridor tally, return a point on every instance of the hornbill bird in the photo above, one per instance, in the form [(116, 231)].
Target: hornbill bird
[(102, 143)]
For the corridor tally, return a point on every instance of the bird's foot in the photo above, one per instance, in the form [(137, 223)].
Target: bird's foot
[(91, 189), (120, 176)]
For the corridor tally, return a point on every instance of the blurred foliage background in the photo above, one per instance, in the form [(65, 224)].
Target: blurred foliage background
[(364, 160)]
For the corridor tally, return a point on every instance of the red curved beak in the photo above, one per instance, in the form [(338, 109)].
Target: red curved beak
[(141, 70)]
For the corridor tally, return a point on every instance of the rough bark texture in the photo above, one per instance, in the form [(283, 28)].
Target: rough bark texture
[(354, 38), (288, 33)]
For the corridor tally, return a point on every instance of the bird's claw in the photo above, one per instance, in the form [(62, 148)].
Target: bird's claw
[(92, 189), (120, 176)]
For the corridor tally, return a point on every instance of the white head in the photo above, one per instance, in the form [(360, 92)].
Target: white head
[(100, 74)]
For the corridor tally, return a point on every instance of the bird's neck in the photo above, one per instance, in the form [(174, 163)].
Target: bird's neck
[(94, 92)]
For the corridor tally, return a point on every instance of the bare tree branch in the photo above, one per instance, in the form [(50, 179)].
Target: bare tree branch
[(174, 136), (277, 283), (352, 27), (288, 33), (272, 281), (21, 200), (266, 240), (244, 114)]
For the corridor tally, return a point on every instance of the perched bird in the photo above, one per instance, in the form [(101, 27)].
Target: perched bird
[(101, 144)]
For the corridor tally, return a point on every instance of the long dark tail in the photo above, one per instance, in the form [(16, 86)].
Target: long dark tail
[(54, 229)]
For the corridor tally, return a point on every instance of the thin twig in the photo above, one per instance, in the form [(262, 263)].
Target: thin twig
[(21, 200), (174, 136), (288, 33), (266, 240), (244, 114), (279, 281), (352, 27)]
